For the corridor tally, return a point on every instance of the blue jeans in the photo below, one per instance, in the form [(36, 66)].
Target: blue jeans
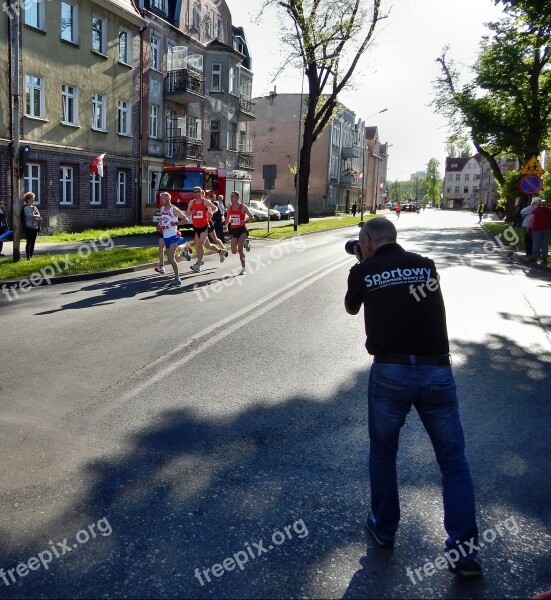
[(393, 389)]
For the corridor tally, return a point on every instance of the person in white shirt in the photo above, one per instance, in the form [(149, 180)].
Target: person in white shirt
[(527, 218)]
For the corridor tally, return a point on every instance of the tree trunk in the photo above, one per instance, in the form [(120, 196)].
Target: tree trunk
[(304, 169)]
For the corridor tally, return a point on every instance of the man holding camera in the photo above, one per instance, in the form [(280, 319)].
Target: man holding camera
[(411, 367)]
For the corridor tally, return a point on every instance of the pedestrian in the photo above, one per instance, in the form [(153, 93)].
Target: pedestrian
[(398, 209), (354, 209), (480, 210), (237, 216), (213, 239), (527, 220), (517, 221), (32, 223), (541, 233), (170, 218), (3, 225), (198, 211), (411, 367)]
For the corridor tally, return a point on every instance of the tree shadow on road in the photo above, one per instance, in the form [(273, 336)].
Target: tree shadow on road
[(189, 491)]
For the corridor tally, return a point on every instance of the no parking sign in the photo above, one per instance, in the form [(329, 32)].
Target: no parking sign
[(530, 184)]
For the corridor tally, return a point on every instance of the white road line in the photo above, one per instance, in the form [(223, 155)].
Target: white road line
[(239, 319)]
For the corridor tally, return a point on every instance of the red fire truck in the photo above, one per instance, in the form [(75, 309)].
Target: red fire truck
[(180, 180)]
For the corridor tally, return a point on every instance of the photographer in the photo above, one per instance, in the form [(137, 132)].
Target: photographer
[(411, 367)]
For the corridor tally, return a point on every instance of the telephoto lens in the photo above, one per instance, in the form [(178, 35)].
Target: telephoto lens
[(352, 247)]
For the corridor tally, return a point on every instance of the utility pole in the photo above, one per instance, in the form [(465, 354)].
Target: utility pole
[(15, 110)]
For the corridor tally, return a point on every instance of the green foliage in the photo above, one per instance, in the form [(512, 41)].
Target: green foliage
[(508, 189), (546, 192), (434, 181)]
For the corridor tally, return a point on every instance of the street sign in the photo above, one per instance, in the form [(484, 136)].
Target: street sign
[(530, 184), (532, 167)]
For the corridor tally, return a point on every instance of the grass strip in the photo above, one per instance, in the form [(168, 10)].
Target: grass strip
[(280, 231)]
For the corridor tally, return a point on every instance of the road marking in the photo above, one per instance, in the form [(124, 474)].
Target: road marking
[(229, 325)]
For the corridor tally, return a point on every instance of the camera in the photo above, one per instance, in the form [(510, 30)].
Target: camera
[(353, 247)]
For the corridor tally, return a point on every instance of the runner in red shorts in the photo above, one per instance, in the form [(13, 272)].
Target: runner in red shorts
[(237, 216), (197, 210)]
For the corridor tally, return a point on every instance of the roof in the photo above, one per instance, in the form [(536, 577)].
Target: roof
[(457, 163), (126, 8)]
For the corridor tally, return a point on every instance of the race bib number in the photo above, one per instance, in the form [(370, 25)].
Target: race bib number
[(235, 220), (198, 214)]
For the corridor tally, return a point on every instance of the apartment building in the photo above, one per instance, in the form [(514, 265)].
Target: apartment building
[(340, 156), (488, 191), (461, 181), (196, 90), (79, 77)]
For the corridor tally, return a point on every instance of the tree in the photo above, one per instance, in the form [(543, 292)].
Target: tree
[(326, 39), (434, 181), (506, 108)]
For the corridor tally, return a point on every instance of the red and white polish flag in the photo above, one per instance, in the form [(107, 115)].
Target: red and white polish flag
[(97, 165)]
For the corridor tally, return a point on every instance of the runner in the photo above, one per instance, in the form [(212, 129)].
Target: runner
[(198, 211), (398, 210), (170, 218), (237, 216)]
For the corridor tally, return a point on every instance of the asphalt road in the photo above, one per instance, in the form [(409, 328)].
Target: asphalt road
[(149, 434)]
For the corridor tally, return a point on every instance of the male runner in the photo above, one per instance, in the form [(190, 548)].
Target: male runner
[(237, 216), (170, 218), (197, 210)]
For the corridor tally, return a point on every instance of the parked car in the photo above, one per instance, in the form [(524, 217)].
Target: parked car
[(259, 215), (257, 205), (389, 205), (285, 210)]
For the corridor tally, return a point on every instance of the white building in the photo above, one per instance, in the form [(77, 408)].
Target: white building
[(461, 181)]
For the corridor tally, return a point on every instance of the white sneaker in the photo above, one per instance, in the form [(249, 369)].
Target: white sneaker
[(195, 268), (222, 254), (243, 271)]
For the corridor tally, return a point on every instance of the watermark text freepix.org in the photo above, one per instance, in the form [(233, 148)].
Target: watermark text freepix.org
[(57, 550), (252, 551), (44, 275), (464, 550)]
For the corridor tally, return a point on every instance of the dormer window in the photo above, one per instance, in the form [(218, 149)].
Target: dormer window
[(160, 5)]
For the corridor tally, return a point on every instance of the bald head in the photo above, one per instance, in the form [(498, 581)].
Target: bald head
[(380, 231)]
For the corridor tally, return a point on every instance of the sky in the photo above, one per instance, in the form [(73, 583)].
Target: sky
[(396, 73)]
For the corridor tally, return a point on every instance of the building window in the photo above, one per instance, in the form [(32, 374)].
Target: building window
[(196, 19), (95, 188), (220, 30), (155, 53), (457, 189), (232, 136), (159, 4), (98, 112), (475, 190), (448, 190), (154, 121), (66, 185), (121, 187), (31, 180), (215, 135), (476, 176), (98, 35), (193, 129), (69, 28), (216, 81), (154, 178), (34, 14), (124, 47), (233, 81), (458, 177), (123, 122), (469, 165), (450, 177), (34, 96), (466, 189), (467, 176), (69, 105)]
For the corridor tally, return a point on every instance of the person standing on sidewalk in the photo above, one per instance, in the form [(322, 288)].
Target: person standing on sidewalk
[(237, 216), (411, 367), (527, 221), (541, 233), (32, 223), (170, 218), (197, 210)]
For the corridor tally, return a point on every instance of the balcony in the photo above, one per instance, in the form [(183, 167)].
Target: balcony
[(245, 160), (245, 109), (185, 86), (184, 148), (350, 152), (347, 179)]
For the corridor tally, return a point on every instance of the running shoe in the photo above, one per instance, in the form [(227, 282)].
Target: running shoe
[(186, 254), (196, 268), (222, 254), (160, 270), (243, 271), (175, 282), (246, 245)]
